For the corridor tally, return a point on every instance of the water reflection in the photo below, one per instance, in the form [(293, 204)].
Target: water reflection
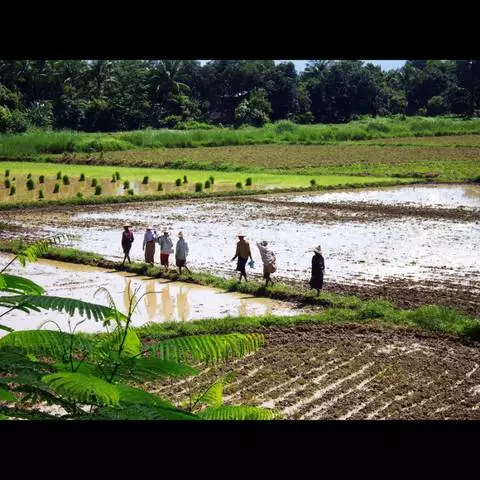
[(151, 299), (167, 304), (183, 307)]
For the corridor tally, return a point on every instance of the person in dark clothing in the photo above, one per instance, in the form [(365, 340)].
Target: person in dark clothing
[(318, 267), (127, 240), (242, 253)]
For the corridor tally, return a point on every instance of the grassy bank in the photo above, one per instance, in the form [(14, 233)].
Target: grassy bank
[(38, 141), (335, 308)]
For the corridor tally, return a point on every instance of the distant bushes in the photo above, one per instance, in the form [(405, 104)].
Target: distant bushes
[(196, 134)]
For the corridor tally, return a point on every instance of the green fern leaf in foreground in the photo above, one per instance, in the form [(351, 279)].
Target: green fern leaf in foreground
[(6, 396), (135, 396), (212, 396), (44, 342), (61, 304), (83, 388), (37, 249), (109, 344), (144, 412), (14, 284), (210, 349), (238, 413), (146, 368)]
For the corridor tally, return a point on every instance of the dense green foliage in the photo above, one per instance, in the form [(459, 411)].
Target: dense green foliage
[(105, 95)]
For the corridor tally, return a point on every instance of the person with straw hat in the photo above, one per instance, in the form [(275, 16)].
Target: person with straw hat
[(127, 240), (318, 268), (269, 261), (166, 247), (181, 253), (242, 253), (149, 245)]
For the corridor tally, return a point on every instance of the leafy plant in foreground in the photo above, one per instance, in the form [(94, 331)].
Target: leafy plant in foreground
[(95, 377)]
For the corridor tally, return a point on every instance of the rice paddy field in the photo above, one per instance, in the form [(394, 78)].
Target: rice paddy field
[(414, 247)]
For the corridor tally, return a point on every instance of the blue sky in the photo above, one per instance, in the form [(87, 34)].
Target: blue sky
[(385, 64)]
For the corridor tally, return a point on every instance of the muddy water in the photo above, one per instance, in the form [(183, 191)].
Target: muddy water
[(445, 196), (163, 302), (356, 251)]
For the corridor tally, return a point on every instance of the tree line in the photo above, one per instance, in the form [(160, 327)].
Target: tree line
[(115, 95)]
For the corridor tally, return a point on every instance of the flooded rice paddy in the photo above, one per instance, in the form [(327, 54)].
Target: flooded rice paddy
[(435, 196), (164, 301), (356, 249), (384, 253)]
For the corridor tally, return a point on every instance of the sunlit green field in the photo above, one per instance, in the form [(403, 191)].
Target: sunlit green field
[(135, 176)]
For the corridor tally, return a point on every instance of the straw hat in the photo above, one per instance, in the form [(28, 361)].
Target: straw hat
[(149, 228), (180, 234), (240, 234), (165, 230), (127, 225), (318, 249)]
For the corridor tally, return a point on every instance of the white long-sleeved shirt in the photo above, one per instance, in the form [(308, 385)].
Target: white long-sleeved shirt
[(181, 250), (268, 257)]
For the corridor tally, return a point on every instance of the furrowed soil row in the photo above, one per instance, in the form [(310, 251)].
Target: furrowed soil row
[(357, 372)]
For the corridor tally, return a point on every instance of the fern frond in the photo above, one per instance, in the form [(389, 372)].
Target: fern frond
[(136, 396), (239, 413), (60, 304), (83, 388), (15, 284), (212, 396), (144, 412), (37, 249), (44, 342), (12, 361), (108, 345), (7, 396), (208, 348), (146, 368)]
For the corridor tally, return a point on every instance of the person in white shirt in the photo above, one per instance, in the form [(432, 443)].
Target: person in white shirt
[(269, 261), (181, 253), (149, 245), (166, 248)]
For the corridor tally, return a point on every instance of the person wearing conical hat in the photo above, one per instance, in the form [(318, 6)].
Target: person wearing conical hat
[(127, 240), (318, 268), (181, 253), (149, 245), (166, 247), (242, 253)]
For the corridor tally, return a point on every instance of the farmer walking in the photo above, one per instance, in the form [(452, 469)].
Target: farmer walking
[(318, 267), (166, 248), (269, 261), (242, 253), (127, 240), (149, 245), (181, 253)]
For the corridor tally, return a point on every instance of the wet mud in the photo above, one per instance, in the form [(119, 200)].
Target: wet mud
[(323, 372)]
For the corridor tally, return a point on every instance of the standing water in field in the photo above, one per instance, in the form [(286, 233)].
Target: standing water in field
[(163, 301)]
